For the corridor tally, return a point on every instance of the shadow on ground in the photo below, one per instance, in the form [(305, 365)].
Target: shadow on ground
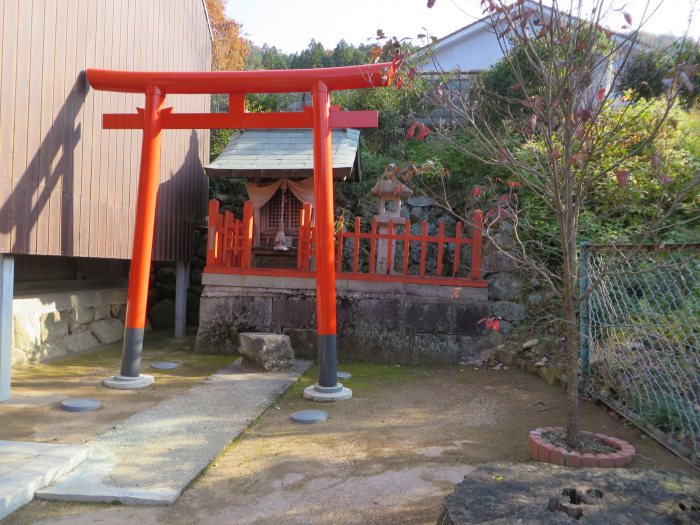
[(388, 455)]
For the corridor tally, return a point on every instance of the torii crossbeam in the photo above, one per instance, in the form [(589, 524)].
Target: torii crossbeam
[(155, 117)]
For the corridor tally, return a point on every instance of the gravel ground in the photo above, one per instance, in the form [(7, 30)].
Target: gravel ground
[(388, 455)]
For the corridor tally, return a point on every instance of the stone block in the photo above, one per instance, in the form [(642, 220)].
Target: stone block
[(382, 314), (107, 331), (83, 341), (346, 309), (504, 287), (433, 349), (495, 262), (467, 315), (511, 312), (246, 311), (351, 345), (303, 341), (115, 309), (162, 315), (79, 342), (26, 331), (166, 274), (54, 325), (293, 312), (472, 349), (268, 351), (102, 311), (80, 318), (389, 346), (427, 316)]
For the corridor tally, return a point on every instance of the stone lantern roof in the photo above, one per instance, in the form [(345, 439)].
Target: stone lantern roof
[(391, 188)]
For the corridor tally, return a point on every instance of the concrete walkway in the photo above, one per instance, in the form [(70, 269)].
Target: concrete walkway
[(26, 467), (152, 456)]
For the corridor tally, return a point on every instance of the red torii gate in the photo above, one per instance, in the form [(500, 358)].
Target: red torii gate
[(155, 117)]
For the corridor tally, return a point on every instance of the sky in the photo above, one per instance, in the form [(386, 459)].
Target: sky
[(291, 24)]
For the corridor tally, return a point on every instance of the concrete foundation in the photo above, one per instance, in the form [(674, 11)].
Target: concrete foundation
[(377, 322)]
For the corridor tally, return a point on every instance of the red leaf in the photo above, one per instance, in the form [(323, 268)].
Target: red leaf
[(477, 191), (491, 323), (664, 179), (514, 184), (423, 132), (623, 177), (503, 198), (579, 132), (410, 131), (399, 82), (431, 3), (600, 94), (628, 17)]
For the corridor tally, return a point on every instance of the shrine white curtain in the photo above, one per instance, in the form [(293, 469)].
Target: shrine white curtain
[(303, 190)]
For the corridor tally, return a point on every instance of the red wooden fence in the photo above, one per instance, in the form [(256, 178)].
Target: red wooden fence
[(230, 243), (229, 240)]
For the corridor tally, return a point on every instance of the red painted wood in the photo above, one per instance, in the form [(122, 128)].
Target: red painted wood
[(356, 245), (228, 240), (409, 279), (145, 212), (406, 246), (323, 203), (373, 245), (440, 248), (458, 249), (269, 81), (478, 218), (247, 255)]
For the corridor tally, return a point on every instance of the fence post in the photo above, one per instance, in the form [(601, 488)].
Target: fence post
[(584, 253), (478, 219), (213, 250), (247, 255)]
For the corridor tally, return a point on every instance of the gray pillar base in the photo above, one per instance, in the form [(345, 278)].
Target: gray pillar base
[(321, 394), (121, 382)]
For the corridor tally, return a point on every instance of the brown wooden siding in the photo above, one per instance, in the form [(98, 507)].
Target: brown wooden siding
[(68, 187)]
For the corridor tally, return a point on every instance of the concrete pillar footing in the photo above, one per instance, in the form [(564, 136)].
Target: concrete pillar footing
[(121, 382), (313, 394)]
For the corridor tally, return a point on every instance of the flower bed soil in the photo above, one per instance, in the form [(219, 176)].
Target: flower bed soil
[(547, 445)]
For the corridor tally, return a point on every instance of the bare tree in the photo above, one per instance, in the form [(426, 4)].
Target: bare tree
[(564, 109)]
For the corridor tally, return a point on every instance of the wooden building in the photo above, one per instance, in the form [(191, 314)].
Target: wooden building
[(68, 187)]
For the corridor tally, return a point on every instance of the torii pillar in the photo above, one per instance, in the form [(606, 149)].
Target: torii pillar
[(154, 118)]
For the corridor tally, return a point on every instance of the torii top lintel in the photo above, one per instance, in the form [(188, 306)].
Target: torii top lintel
[(237, 84)]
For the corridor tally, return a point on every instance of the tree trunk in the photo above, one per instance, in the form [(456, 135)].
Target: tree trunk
[(569, 268)]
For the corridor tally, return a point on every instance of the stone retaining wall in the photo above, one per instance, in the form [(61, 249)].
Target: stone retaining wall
[(377, 322), (54, 324)]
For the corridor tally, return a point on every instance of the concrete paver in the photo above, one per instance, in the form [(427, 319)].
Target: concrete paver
[(26, 467), (152, 456)]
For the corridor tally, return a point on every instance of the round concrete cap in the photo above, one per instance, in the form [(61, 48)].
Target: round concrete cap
[(80, 404), (312, 394), (309, 417), (121, 382), (344, 375), (165, 365)]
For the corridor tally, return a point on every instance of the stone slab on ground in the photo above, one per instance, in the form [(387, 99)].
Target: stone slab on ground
[(524, 493), (152, 456), (26, 467), (267, 351)]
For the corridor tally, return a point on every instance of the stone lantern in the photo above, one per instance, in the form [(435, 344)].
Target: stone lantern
[(390, 192)]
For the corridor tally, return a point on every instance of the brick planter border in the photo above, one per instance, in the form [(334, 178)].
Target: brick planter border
[(549, 453)]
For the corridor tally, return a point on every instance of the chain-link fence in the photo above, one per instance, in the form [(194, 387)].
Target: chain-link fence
[(640, 330)]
